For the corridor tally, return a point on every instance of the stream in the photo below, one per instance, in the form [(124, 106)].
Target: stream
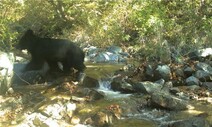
[(146, 117), (128, 109)]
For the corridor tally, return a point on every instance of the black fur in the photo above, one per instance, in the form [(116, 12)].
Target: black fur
[(52, 51)]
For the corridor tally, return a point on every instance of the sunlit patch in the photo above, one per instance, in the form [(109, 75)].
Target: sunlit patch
[(194, 112), (190, 107), (24, 51), (207, 52)]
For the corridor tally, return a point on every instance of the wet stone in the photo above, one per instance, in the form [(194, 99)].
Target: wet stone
[(147, 87), (167, 101), (122, 86), (95, 95), (90, 82), (192, 81), (101, 57)]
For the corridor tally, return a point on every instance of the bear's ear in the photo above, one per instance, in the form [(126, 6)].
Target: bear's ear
[(29, 32)]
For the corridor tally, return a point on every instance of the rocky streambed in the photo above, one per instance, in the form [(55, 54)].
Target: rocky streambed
[(100, 102), (133, 93)]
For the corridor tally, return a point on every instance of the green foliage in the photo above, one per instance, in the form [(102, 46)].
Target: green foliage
[(8, 17), (145, 24), (183, 24)]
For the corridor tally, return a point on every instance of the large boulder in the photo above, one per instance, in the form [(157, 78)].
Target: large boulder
[(122, 86), (6, 71), (90, 82), (29, 77), (167, 101), (147, 87), (204, 72)]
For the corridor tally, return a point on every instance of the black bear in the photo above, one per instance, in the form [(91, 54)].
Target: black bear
[(52, 51)]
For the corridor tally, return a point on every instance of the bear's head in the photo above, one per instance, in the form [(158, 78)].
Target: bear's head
[(26, 40)]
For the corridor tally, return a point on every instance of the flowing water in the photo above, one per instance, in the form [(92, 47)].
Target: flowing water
[(146, 117), (131, 117)]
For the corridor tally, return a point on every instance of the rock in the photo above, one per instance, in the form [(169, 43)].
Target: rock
[(192, 81), (122, 86), (106, 57), (167, 101), (201, 53), (59, 110), (78, 99), (188, 71), (47, 122), (114, 49), (179, 72), (174, 90), (167, 86), (38, 120), (149, 71), (29, 77), (95, 95), (105, 117), (125, 54), (101, 57), (203, 76), (70, 107), (147, 87), (75, 120), (208, 85), (6, 71), (88, 94), (10, 91), (190, 122), (102, 119), (183, 96), (204, 67), (193, 87), (112, 54), (90, 82), (163, 71), (204, 71), (178, 82), (81, 76), (161, 81), (113, 57), (91, 51), (55, 111)]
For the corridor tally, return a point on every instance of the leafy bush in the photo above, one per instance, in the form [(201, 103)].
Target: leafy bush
[(8, 18), (145, 24)]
